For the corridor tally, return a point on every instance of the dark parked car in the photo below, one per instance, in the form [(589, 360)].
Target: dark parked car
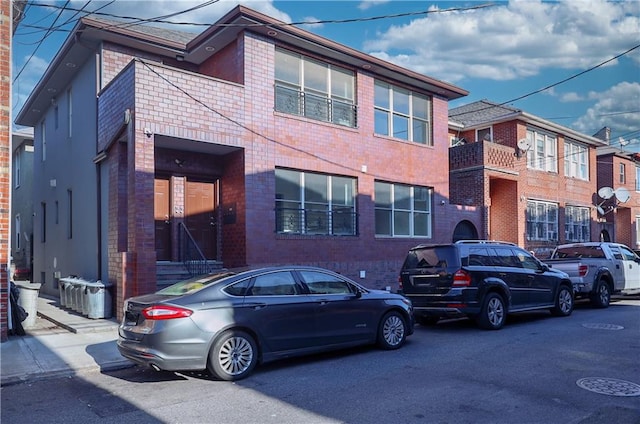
[(483, 280), (228, 322)]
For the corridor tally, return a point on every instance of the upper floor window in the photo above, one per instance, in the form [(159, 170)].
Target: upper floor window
[(577, 224), (402, 210), (484, 134), (576, 161), (638, 183), (542, 221), (312, 203), (544, 153), (623, 177), (402, 114), (16, 167), (69, 113), (314, 89), (43, 137)]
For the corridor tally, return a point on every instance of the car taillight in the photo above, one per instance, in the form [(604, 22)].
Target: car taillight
[(400, 282), (159, 312), (461, 278), (582, 270)]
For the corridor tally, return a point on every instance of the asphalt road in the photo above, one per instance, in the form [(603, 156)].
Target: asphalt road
[(584, 368)]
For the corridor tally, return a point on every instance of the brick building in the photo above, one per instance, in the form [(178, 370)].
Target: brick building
[(618, 197), (255, 141), (533, 180)]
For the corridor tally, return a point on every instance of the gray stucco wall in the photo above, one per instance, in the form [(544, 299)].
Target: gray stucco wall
[(65, 183)]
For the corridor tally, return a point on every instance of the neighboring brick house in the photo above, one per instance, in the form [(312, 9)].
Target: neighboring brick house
[(270, 144), (533, 180), (618, 196)]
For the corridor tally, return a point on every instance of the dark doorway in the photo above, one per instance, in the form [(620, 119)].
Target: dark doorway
[(161, 212), (465, 230), (200, 217)]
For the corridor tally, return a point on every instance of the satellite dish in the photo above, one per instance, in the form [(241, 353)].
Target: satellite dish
[(606, 193), (600, 210), (622, 194), (524, 144)]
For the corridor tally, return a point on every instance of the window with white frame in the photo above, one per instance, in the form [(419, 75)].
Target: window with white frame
[(544, 152), (69, 113), (623, 177), (315, 204), (577, 224), (576, 160), (402, 114), (316, 90), (484, 134), (638, 183), (402, 210), (43, 137), (17, 159), (18, 231), (542, 221)]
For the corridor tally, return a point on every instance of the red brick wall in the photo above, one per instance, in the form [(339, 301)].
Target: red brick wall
[(5, 161)]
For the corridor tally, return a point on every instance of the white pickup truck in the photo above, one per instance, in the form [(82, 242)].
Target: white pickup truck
[(598, 269)]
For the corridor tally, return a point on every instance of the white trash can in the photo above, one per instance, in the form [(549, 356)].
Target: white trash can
[(29, 301)]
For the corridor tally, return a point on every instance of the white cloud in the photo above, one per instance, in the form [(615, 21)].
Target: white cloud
[(616, 108), (313, 23), (509, 41), (364, 5)]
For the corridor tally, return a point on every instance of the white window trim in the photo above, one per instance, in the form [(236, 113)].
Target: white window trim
[(554, 230), (572, 218), (549, 160), (576, 160), (412, 212), (410, 117)]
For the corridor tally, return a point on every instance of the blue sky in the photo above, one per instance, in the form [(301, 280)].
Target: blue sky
[(500, 50)]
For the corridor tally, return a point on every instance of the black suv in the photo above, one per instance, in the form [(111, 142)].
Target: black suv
[(483, 280)]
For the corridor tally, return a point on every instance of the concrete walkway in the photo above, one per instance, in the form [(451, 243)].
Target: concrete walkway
[(60, 343)]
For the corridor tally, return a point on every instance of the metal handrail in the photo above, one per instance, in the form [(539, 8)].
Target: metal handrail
[(191, 255)]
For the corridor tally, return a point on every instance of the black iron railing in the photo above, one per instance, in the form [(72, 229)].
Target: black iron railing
[(321, 108), (341, 222), (190, 254)]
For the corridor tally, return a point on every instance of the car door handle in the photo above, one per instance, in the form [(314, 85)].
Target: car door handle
[(323, 301), (259, 306)]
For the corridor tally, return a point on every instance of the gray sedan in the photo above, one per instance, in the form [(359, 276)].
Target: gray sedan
[(227, 323)]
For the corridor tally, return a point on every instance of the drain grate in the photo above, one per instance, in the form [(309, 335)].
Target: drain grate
[(596, 326), (609, 386)]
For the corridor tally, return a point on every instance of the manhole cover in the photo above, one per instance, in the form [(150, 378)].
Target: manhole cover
[(597, 326), (609, 386)]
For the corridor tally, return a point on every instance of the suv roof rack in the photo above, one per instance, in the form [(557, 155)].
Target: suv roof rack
[(485, 242)]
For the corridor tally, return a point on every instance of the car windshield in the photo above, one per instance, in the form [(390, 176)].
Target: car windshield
[(194, 284)]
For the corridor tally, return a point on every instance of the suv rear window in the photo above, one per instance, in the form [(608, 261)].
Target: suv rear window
[(431, 257)]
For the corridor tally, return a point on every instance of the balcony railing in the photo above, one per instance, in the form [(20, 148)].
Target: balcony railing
[(296, 102), (341, 222), (484, 154)]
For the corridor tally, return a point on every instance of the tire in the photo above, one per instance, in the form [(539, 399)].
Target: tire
[(392, 331), (427, 320), (564, 302), (493, 313), (233, 356), (601, 295)]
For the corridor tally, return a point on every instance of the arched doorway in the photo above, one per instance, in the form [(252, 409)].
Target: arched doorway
[(465, 230)]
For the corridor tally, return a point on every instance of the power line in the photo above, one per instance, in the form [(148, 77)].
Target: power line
[(554, 84), (311, 22)]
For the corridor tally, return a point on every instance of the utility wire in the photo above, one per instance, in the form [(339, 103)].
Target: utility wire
[(554, 84), (311, 22)]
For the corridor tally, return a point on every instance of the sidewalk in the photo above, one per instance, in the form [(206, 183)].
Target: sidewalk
[(61, 343)]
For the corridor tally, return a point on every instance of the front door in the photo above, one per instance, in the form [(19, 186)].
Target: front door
[(200, 216), (161, 212)]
